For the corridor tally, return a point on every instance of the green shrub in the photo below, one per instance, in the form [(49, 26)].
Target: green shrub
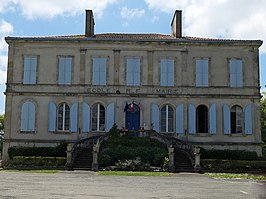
[(37, 162), (132, 165), (58, 151), (228, 154), (218, 165)]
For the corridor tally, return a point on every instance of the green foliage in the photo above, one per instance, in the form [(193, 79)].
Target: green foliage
[(37, 162), (58, 151), (263, 117), (123, 147), (217, 165), (236, 175), (132, 165), (2, 123), (129, 173), (228, 154)]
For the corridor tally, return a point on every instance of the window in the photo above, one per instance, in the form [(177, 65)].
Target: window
[(99, 71), (30, 65), (98, 117), (236, 119), (63, 117), (28, 117), (236, 74), (133, 72), (167, 72), (167, 119), (202, 119), (202, 73), (65, 65)]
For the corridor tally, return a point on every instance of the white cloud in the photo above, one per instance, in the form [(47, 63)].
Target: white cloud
[(240, 19), (131, 13), (33, 9)]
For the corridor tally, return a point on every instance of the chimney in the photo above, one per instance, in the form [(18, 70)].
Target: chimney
[(89, 24), (176, 24)]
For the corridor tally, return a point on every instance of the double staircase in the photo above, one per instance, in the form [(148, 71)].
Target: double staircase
[(84, 159), (183, 162)]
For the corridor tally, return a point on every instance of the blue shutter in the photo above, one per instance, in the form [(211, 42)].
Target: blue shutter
[(155, 117), (202, 76), (198, 73), (130, 72), (180, 118), (102, 71), (213, 119), (226, 119), (233, 73), (191, 119), (248, 119), (26, 76), (61, 70), (163, 72), (52, 117), (33, 67), (85, 118), (96, 71), (68, 70), (239, 73), (136, 72), (31, 116), (74, 117), (205, 72), (24, 117), (110, 116), (171, 72)]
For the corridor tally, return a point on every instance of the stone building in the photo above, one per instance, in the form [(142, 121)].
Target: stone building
[(66, 88)]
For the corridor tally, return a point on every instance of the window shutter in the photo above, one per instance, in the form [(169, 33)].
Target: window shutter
[(199, 72), (31, 116), (96, 71), (33, 67), (171, 73), (61, 71), (205, 72), (26, 76), (24, 116), (180, 118), (155, 117), (68, 66), (191, 119), (233, 73), (226, 119), (102, 71), (239, 73), (136, 69), (248, 119), (213, 119), (130, 72), (110, 116), (52, 117), (163, 73), (74, 117), (85, 118)]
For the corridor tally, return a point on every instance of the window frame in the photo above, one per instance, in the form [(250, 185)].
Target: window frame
[(200, 81), (238, 113), (136, 70), (30, 80), (27, 130), (238, 83), (65, 120), (64, 77), (100, 118), (167, 118), (100, 74)]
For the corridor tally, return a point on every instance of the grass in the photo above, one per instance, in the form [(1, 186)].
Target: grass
[(31, 171), (236, 175), (133, 173)]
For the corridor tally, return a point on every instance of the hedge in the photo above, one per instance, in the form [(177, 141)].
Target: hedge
[(218, 165), (58, 151), (37, 162)]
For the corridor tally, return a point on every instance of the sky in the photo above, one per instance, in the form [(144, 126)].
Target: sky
[(237, 19)]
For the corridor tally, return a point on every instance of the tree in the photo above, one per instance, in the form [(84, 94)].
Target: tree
[(2, 123), (263, 116)]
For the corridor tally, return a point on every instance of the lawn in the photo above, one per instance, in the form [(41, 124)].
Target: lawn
[(31, 171), (236, 176), (133, 173)]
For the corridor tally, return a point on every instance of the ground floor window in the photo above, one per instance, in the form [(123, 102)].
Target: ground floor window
[(167, 119), (63, 117), (236, 119), (202, 119), (98, 117)]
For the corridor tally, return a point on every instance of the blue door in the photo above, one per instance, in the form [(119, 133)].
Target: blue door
[(132, 116)]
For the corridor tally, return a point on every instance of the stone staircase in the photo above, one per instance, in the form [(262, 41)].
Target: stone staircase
[(84, 159), (183, 162)]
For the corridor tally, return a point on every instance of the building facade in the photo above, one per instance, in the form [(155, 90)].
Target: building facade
[(67, 88)]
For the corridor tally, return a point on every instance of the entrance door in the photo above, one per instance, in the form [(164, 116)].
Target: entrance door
[(132, 116)]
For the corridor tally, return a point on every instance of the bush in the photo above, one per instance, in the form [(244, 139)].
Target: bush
[(37, 162), (228, 154), (58, 151), (132, 165), (218, 165)]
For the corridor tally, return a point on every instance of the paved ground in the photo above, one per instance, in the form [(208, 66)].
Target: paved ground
[(77, 184)]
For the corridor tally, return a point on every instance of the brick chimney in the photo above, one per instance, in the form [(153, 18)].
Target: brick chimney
[(176, 24), (89, 24)]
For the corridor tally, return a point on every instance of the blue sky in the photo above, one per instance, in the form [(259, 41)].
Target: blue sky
[(239, 19)]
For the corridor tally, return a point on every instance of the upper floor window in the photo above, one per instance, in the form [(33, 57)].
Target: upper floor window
[(236, 73), (167, 72), (98, 117), (28, 117), (202, 73), (63, 117), (236, 119), (30, 67), (133, 72), (65, 68), (99, 71), (167, 119)]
